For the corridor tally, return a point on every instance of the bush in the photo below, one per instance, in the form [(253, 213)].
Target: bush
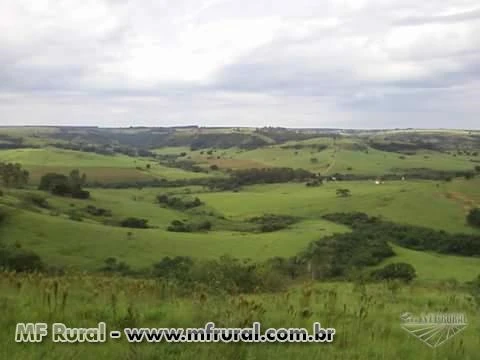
[(80, 194), (412, 237), (37, 200), (473, 217), (178, 203), (400, 271), (92, 210), (272, 222), (20, 260), (314, 183), (136, 223), (113, 266), (343, 193), (180, 226), (75, 216), (223, 274)]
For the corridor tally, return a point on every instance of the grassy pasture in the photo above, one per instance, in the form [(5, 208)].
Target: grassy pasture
[(63, 241), (86, 244), (411, 202), (437, 267), (339, 157), (366, 318), (380, 162), (103, 168)]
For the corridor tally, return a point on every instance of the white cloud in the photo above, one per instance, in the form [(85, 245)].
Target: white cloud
[(239, 62)]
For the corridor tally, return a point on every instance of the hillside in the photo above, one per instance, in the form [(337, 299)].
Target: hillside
[(300, 224)]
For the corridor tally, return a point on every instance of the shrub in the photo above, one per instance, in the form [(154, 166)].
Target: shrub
[(113, 266), (412, 237), (75, 216), (314, 183), (473, 217), (37, 200), (343, 193), (400, 271), (20, 260), (180, 226), (133, 222), (272, 222), (177, 202), (92, 210)]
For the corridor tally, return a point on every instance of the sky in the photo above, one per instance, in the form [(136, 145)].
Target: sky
[(329, 63)]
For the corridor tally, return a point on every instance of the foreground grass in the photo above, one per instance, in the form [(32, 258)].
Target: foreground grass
[(366, 318)]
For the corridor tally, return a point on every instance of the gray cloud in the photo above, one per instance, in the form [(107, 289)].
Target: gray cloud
[(451, 18), (369, 63)]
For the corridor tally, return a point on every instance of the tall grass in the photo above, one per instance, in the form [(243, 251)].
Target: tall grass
[(366, 318)]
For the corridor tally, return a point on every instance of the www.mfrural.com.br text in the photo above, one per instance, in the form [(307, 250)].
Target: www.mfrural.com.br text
[(61, 333)]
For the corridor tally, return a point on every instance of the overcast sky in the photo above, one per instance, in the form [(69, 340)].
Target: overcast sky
[(294, 63)]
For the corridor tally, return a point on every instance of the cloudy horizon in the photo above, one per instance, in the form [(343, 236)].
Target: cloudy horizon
[(330, 64)]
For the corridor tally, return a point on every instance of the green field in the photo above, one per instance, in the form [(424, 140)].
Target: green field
[(69, 242), (103, 168), (339, 157)]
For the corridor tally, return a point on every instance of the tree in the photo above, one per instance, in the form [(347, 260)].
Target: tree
[(77, 181), (343, 193), (12, 175), (473, 217), (50, 180), (62, 185)]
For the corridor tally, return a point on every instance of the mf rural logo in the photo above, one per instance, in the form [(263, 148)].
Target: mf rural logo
[(434, 329)]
